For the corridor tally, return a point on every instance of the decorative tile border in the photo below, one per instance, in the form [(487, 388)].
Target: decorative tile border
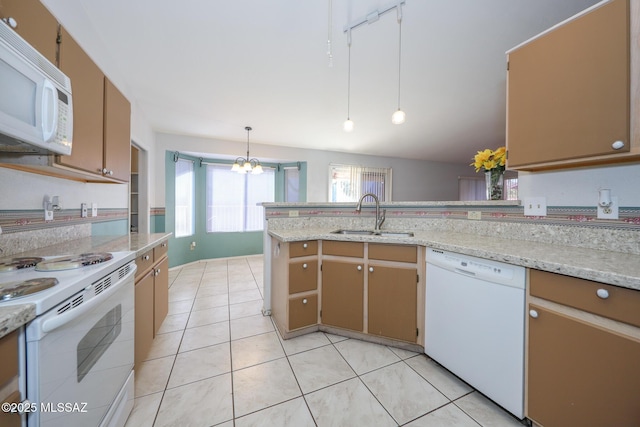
[(17, 221)]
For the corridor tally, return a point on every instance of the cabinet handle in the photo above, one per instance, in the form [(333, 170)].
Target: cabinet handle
[(146, 257), (602, 293), (164, 245), (617, 145), (304, 265), (106, 171), (157, 272), (359, 268), (533, 314), (304, 301), (305, 246), (370, 269)]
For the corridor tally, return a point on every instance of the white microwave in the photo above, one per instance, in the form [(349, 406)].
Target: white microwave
[(36, 109)]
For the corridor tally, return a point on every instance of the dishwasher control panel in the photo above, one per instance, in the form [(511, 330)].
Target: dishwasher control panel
[(483, 269)]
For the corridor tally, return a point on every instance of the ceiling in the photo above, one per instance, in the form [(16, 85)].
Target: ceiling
[(209, 68)]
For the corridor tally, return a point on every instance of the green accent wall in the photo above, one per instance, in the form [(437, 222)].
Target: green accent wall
[(209, 245)]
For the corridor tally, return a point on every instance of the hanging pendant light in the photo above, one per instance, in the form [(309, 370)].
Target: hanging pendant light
[(399, 117), (348, 124), (244, 165)]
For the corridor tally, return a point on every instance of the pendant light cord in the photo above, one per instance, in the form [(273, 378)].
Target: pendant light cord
[(349, 76), (399, 50)]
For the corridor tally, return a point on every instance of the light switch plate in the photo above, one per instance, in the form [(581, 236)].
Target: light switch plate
[(94, 209), (535, 206), (83, 210)]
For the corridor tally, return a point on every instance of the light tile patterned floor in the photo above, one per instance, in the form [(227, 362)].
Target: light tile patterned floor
[(218, 362)]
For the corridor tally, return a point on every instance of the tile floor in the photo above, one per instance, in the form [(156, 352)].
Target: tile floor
[(218, 362)]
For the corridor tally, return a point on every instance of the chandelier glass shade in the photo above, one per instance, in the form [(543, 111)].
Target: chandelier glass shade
[(247, 164)]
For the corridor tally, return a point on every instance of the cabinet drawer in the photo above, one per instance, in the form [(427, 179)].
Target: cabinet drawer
[(144, 262), (298, 249), (303, 276), (303, 311), (160, 250), (350, 249), (620, 304), (402, 253)]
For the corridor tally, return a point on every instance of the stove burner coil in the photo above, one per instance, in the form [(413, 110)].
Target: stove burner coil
[(74, 261), (19, 263), (13, 290)]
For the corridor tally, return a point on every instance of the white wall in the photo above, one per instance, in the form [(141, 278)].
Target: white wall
[(580, 187), (412, 179)]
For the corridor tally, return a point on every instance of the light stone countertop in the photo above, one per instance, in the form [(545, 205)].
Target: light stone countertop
[(615, 268), (12, 317)]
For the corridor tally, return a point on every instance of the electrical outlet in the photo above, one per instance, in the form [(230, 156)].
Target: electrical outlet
[(192, 246), (83, 210), (535, 206), (293, 214), (609, 212), (474, 215)]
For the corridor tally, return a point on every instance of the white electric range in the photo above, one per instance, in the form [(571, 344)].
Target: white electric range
[(78, 351)]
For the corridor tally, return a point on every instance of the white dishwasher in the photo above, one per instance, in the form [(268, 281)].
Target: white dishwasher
[(474, 324)]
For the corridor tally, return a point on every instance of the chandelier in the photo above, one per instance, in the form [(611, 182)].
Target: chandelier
[(244, 165)]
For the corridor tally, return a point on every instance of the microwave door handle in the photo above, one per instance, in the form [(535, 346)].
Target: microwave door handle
[(49, 110)]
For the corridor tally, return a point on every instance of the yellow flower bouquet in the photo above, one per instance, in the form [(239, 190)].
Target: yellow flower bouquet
[(493, 163)]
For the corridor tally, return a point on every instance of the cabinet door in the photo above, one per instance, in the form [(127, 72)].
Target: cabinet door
[(143, 317), (581, 375), (342, 294), (117, 133), (35, 24), (160, 294), (392, 302), (303, 311), (568, 90), (87, 84)]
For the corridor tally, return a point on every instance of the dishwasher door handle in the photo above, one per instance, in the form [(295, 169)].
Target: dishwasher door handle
[(465, 272)]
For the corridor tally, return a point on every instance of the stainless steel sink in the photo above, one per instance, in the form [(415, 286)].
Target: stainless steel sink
[(383, 233)]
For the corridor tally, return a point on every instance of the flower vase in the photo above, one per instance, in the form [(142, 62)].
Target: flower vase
[(494, 182)]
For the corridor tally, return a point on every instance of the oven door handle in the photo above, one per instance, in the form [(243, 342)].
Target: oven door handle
[(62, 319)]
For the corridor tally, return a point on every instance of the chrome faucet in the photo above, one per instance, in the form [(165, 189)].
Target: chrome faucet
[(379, 218)]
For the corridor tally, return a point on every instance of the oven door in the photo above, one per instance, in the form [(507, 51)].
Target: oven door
[(79, 360)]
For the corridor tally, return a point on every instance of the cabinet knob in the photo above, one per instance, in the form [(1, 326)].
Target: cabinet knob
[(106, 171), (359, 268), (164, 245), (370, 269), (533, 314), (602, 293), (304, 301), (304, 265), (146, 257), (617, 145), (305, 246)]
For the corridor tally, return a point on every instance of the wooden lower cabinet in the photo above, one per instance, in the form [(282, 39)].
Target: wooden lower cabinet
[(151, 298), (160, 293), (343, 294), (580, 374), (144, 325), (392, 302), (9, 370)]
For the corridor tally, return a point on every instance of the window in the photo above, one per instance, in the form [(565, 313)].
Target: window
[(232, 198), (184, 225), (348, 183), (291, 184)]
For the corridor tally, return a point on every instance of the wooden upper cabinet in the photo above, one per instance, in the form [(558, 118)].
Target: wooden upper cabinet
[(117, 133), (568, 94), (87, 85), (35, 24)]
